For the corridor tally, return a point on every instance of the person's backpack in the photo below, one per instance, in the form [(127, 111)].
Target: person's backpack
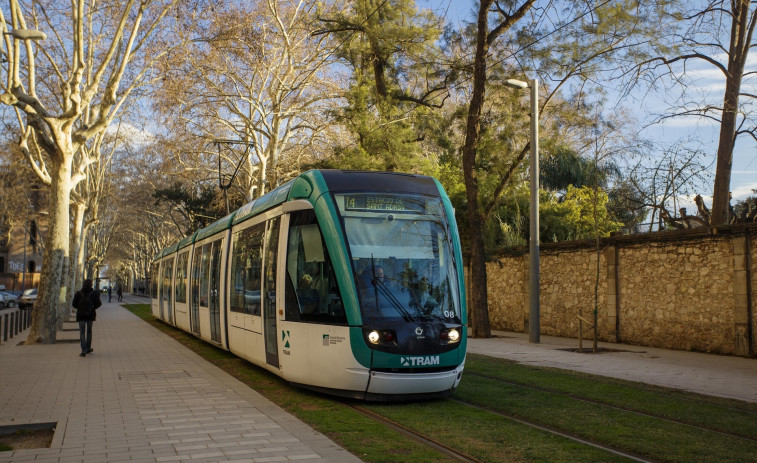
[(86, 307)]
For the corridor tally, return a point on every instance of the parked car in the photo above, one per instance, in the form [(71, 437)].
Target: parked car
[(28, 299), (8, 300)]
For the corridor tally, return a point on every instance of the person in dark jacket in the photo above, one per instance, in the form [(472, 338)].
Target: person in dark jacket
[(86, 301)]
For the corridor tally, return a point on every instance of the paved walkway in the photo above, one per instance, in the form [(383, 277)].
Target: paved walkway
[(141, 396), (709, 374)]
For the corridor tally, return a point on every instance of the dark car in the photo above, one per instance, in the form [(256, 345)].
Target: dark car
[(27, 300)]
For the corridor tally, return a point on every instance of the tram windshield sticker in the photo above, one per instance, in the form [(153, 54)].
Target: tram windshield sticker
[(383, 203)]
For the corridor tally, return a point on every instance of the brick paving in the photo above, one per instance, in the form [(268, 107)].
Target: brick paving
[(141, 396)]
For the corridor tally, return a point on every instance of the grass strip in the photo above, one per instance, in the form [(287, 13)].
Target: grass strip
[(731, 416), (642, 435), (487, 436)]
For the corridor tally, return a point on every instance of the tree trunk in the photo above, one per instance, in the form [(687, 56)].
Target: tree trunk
[(479, 307), (740, 40), (52, 293)]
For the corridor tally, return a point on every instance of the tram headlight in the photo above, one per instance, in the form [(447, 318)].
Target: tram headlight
[(379, 337), (449, 336)]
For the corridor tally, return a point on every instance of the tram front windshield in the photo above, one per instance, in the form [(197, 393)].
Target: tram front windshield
[(402, 257)]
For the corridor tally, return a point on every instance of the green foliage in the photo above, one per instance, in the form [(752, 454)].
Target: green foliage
[(588, 213), (199, 207), (560, 218), (387, 46)]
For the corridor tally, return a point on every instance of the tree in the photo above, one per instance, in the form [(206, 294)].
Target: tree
[(746, 211), (662, 185), (718, 34), (254, 75), (396, 82), (610, 28), (187, 210), (91, 51)]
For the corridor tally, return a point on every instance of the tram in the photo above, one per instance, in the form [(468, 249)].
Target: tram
[(346, 282)]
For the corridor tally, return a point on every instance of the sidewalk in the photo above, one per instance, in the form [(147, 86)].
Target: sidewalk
[(141, 396), (709, 374)]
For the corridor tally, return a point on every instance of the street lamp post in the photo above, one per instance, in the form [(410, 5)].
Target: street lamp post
[(533, 281)]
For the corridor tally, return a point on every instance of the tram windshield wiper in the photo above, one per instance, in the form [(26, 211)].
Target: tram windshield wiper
[(387, 293)]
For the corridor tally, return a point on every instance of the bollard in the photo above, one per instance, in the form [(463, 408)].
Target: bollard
[(5, 327)]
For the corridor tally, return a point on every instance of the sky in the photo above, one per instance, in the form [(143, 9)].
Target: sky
[(701, 133)]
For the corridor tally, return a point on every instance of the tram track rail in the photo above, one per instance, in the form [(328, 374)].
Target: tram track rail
[(614, 407), (456, 455), (557, 432), (450, 452)]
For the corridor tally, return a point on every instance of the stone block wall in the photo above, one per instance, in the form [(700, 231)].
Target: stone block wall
[(676, 290)]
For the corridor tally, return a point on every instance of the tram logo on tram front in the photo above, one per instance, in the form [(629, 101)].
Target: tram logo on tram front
[(285, 338), (419, 361)]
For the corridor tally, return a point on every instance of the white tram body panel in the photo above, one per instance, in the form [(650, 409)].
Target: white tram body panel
[(321, 356)]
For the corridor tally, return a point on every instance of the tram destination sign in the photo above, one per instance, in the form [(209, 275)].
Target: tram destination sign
[(384, 203)]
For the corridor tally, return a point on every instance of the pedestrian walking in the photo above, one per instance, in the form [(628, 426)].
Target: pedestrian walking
[(86, 301), (110, 293), (120, 293)]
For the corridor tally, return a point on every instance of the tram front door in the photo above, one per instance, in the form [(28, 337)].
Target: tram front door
[(269, 292)]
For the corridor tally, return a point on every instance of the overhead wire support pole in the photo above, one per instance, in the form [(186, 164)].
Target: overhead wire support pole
[(221, 185)]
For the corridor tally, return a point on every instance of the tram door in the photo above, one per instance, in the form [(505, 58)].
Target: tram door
[(269, 290), (167, 315), (215, 291), (194, 308)]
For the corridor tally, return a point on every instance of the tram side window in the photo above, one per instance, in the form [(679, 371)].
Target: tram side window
[(154, 280), (167, 275), (312, 294), (204, 275), (195, 281), (246, 270), (181, 278)]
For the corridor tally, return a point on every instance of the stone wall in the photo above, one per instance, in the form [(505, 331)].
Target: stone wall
[(678, 290)]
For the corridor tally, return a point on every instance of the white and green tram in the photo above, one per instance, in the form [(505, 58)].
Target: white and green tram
[(346, 282)]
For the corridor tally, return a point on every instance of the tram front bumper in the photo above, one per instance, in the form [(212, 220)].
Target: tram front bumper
[(413, 383)]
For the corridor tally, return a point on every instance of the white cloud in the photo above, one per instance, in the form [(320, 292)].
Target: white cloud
[(131, 133), (742, 192), (689, 121)]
